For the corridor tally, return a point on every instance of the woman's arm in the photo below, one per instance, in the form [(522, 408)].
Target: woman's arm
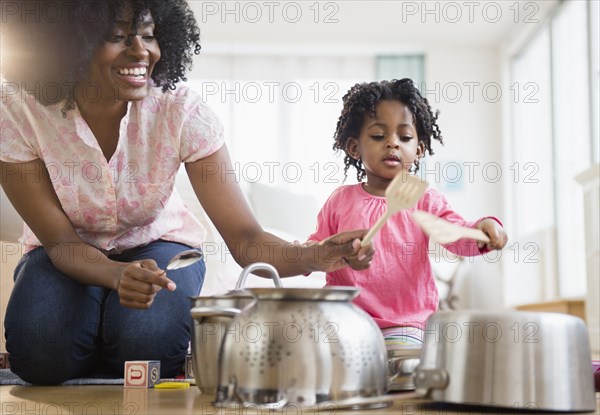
[(29, 189), (216, 187)]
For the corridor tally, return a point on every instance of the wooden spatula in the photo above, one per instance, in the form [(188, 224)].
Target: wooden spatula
[(444, 232), (403, 192)]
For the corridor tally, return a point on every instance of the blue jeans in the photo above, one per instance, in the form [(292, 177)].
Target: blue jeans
[(58, 329)]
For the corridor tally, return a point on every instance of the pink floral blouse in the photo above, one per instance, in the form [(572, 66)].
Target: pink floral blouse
[(130, 200)]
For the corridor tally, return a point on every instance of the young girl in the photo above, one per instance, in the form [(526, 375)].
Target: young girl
[(385, 127)]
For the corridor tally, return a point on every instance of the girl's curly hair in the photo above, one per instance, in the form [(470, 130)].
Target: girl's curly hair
[(58, 48), (361, 101)]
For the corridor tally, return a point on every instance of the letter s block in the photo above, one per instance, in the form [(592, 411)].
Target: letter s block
[(142, 373)]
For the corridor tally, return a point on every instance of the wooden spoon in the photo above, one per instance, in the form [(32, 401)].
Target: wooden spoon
[(444, 232), (403, 192)]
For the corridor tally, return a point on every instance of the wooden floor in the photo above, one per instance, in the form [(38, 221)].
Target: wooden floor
[(117, 400)]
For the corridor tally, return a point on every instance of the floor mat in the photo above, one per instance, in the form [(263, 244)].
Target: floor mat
[(9, 378)]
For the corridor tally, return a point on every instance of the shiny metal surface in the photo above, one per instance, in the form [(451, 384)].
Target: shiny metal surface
[(235, 404), (401, 365), (212, 316), (301, 348), (518, 360), (184, 259), (309, 294), (305, 350), (258, 266)]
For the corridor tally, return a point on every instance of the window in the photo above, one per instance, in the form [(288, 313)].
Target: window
[(571, 117), (553, 135), (280, 113), (402, 66), (531, 168), (594, 47)]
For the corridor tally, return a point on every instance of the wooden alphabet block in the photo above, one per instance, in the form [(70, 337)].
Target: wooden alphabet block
[(142, 373)]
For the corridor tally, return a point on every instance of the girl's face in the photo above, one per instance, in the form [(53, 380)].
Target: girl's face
[(387, 143), (122, 65)]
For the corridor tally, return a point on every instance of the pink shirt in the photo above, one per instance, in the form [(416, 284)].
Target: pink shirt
[(127, 201), (399, 287)]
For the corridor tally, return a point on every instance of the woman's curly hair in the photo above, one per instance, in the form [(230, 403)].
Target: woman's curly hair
[(58, 48), (361, 100)]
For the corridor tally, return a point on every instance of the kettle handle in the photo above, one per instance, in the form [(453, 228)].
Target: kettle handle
[(255, 267), (200, 312)]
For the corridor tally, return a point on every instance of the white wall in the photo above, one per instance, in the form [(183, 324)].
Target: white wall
[(466, 81)]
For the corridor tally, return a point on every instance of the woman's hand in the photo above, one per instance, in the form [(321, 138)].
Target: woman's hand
[(495, 232), (139, 282), (343, 249)]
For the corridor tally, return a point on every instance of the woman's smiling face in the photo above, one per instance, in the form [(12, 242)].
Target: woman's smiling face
[(122, 65)]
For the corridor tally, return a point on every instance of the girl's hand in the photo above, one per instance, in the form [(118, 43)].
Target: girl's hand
[(344, 249), (139, 282), (496, 233)]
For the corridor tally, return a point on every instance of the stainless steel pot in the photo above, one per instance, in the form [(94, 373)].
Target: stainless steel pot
[(300, 347), (211, 317), (518, 360)]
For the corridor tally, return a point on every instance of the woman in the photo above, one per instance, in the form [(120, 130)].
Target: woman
[(91, 170)]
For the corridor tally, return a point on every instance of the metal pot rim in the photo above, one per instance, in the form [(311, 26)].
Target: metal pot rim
[(233, 294), (306, 294)]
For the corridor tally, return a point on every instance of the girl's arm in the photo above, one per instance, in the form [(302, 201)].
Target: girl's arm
[(29, 189), (495, 231), (435, 202), (216, 187)]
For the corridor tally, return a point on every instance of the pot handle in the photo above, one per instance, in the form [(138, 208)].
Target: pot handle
[(201, 312), (428, 379), (255, 267), (402, 366)]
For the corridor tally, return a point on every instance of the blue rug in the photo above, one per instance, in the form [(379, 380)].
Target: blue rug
[(9, 378)]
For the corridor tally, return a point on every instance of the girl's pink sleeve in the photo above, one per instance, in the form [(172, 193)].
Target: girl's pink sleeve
[(325, 222), (328, 217)]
